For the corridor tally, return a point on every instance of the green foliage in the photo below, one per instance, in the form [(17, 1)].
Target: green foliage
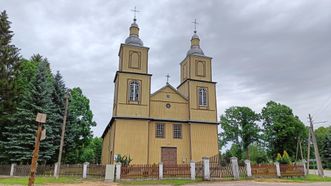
[(282, 129), (239, 125), (257, 154), (323, 137), (279, 157), (36, 98), (78, 130), (124, 160), (9, 61), (285, 159), (92, 152)]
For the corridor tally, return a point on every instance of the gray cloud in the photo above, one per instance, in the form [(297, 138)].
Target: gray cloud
[(262, 50)]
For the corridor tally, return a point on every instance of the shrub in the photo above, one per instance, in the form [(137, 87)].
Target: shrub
[(124, 160)]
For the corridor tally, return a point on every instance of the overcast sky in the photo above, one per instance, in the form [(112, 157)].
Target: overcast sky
[(262, 50)]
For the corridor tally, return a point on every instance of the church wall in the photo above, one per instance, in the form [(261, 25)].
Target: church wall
[(182, 145), (124, 108), (183, 89), (202, 114), (106, 149), (133, 59), (200, 68), (204, 141), (178, 105), (132, 139)]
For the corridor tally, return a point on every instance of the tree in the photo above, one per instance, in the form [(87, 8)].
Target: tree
[(21, 134), (282, 129), (92, 152), (323, 137), (80, 121), (9, 60), (239, 126)]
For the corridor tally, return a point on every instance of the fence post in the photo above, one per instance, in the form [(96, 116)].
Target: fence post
[(206, 170), (110, 171), (304, 167), (160, 170), (12, 169), (55, 169), (278, 169), (85, 169), (235, 167), (118, 171), (248, 168), (192, 169)]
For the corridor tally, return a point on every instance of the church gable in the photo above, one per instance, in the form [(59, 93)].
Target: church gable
[(168, 93), (168, 103)]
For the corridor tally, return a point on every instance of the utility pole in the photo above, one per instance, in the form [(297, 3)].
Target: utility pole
[(317, 155), (308, 149), (66, 97), (41, 118)]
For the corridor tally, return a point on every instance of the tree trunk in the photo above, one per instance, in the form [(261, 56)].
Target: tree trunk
[(247, 153)]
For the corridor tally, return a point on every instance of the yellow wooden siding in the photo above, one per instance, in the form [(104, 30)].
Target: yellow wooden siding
[(105, 149), (196, 113), (133, 110), (204, 141), (182, 145), (193, 70), (131, 138), (125, 58), (178, 105)]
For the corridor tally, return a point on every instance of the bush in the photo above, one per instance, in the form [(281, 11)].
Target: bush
[(285, 159), (124, 160)]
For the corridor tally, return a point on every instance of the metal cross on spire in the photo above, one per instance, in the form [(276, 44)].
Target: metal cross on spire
[(195, 25), (135, 13), (167, 76)]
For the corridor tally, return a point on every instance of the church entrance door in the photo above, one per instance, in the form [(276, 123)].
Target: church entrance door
[(169, 155)]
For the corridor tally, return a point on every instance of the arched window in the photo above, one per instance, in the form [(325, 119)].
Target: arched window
[(202, 97), (134, 88)]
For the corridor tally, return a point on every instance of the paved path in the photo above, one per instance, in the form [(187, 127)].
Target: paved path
[(326, 172)]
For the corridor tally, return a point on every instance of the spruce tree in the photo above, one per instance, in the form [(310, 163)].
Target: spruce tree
[(9, 60), (21, 134)]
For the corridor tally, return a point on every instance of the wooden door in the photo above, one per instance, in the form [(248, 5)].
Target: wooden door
[(169, 155)]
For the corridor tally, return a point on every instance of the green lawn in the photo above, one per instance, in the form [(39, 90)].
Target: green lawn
[(310, 178), (160, 182), (39, 180)]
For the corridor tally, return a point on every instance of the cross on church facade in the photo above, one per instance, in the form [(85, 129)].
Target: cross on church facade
[(135, 13), (195, 25), (168, 76)]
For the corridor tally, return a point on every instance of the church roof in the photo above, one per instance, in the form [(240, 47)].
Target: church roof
[(172, 88)]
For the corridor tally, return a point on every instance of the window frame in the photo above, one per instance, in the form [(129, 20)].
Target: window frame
[(138, 92), (174, 131), (156, 130), (201, 105)]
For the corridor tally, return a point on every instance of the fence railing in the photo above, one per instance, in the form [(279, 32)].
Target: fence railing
[(140, 171), (177, 170), (264, 170), (292, 170), (5, 169), (94, 170)]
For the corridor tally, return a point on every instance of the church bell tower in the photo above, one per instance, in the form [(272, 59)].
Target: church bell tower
[(132, 81)]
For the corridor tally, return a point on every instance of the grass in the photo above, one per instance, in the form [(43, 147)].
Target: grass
[(38, 180), (309, 178), (160, 182)]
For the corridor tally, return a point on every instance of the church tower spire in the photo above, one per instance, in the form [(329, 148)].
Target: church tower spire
[(195, 42), (133, 38)]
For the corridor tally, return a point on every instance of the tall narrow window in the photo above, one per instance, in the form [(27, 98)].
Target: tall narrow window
[(202, 97), (134, 88), (177, 131), (159, 130)]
